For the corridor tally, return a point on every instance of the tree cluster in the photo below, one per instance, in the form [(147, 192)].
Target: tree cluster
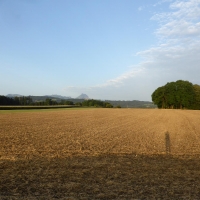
[(49, 102), (8, 101), (96, 103), (15, 101), (177, 95), (28, 101)]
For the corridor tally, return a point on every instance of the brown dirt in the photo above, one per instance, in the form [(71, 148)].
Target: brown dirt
[(100, 154)]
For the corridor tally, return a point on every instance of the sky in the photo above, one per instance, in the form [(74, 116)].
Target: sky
[(107, 49)]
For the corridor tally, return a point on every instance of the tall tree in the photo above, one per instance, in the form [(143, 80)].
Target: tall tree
[(179, 94), (196, 103), (159, 97)]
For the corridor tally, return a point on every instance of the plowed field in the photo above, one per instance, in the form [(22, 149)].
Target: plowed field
[(100, 154)]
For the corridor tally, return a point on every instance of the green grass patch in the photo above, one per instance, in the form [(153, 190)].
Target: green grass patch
[(43, 109)]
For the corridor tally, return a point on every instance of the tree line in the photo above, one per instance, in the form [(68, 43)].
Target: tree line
[(15, 101), (177, 95), (96, 103), (47, 102)]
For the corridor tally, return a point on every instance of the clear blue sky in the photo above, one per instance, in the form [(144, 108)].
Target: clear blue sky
[(108, 49)]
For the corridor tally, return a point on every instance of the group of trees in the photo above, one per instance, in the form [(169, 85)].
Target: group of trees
[(7, 101), (177, 95), (25, 101), (15, 101), (96, 103), (28, 101)]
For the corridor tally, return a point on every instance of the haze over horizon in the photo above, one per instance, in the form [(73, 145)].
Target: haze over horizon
[(107, 49)]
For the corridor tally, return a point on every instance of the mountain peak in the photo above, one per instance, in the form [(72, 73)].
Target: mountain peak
[(82, 96)]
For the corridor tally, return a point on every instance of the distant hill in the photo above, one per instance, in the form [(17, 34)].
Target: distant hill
[(58, 96), (132, 104), (13, 95), (41, 98), (83, 96)]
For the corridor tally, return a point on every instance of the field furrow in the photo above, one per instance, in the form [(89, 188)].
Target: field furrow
[(99, 131), (100, 154)]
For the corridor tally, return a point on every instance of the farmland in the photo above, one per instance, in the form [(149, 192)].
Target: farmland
[(99, 154)]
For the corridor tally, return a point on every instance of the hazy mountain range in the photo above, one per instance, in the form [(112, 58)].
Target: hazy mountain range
[(54, 96), (14, 95)]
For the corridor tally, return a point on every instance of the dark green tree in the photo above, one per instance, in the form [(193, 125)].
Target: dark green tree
[(196, 102), (108, 105), (8, 101), (179, 94), (96, 103), (78, 104), (48, 102), (159, 97), (184, 94)]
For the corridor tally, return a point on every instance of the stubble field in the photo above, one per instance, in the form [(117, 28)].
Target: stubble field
[(100, 154)]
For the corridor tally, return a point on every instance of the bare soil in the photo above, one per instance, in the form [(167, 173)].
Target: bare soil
[(100, 154)]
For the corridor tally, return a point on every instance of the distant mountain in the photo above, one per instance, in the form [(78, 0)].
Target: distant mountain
[(83, 96), (55, 97), (58, 96), (132, 104), (14, 95), (41, 98)]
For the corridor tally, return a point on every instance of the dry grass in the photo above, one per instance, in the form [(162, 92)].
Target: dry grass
[(100, 154)]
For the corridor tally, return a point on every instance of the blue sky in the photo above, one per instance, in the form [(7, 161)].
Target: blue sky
[(108, 49)]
